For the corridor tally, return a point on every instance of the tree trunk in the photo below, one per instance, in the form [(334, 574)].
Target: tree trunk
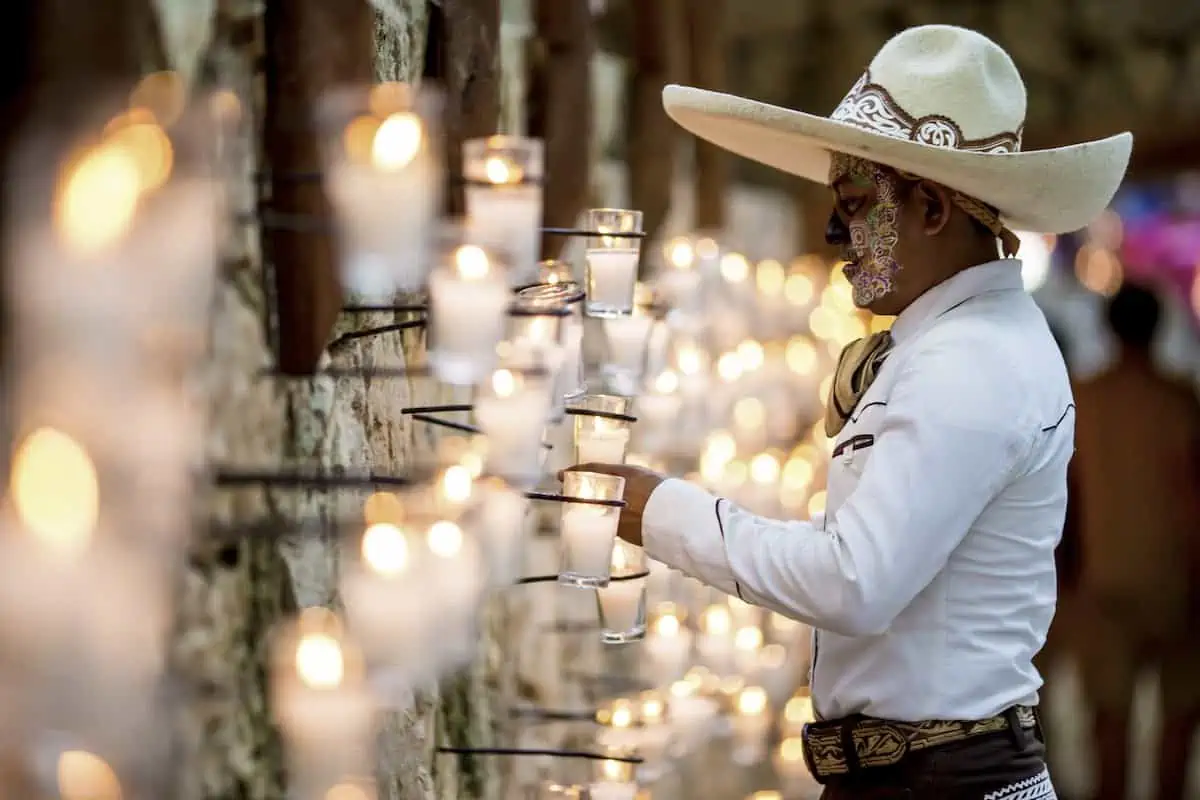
[(706, 69)]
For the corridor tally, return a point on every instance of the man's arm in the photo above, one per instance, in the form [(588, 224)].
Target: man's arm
[(949, 438)]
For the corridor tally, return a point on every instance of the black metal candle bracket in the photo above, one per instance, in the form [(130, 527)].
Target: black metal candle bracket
[(461, 427), (234, 478), (378, 330), (484, 184), (552, 714), (373, 373), (585, 501), (543, 752), (552, 578), (592, 412), (585, 232), (520, 310), (370, 308), (438, 409)]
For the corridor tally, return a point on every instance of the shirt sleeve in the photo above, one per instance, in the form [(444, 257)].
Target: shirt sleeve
[(946, 444)]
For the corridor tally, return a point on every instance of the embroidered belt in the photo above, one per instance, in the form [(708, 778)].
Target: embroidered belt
[(844, 746)]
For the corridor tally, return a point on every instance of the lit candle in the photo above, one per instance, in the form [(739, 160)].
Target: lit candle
[(622, 603), (468, 301), (612, 790), (669, 646), (626, 338), (502, 521), (751, 723), (797, 712), (589, 530), (715, 644), (512, 411), (618, 732), (603, 441), (747, 642), (656, 732), (570, 363), (504, 200), (325, 711), (692, 714), (384, 178), (612, 261), (661, 403)]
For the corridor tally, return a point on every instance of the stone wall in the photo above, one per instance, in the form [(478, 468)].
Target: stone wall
[(234, 592)]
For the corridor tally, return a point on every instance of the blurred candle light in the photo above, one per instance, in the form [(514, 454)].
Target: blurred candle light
[(504, 200), (81, 775), (468, 299), (512, 410)]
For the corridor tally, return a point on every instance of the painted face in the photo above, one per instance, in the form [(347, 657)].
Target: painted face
[(873, 231)]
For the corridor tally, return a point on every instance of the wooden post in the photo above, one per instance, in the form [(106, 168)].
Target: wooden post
[(312, 45), (560, 109), (707, 47), (467, 61), (657, 59)]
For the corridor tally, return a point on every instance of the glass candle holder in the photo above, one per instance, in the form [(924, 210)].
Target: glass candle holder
[(602, 429), (612, 261), (504, 200), (512, 409), (536, 342), (552, 270), (321, 700), (468, 301), (589, 527), (622, 603), (569, 296), (626, 342), (384, 173)]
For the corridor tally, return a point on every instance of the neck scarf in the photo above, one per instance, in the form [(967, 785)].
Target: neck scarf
[(857, 367)]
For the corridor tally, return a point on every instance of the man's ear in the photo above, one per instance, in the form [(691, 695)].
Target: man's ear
[(934, 202)]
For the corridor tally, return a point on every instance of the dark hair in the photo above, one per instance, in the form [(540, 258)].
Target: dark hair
[(1133, 315)]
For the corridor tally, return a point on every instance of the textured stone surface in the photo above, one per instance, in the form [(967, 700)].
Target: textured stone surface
[(232, 595)]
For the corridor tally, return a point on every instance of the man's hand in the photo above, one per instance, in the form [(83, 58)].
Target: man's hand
[(639, 483)]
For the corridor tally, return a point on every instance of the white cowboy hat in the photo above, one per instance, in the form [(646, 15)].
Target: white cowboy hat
[(938, 101)]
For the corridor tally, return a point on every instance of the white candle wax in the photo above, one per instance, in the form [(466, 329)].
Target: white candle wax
[(668, 654), (623, 609), (612, 790), (467, 322), (502, 523), (619, 738), (570, 376), (379, 612), (508, 219), (514, 425), (612, 274), (601, 446), (326, 726), (588, 534), (627, 340), (385, 220)]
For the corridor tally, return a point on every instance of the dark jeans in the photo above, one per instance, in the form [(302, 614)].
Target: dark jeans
[(966, 770)]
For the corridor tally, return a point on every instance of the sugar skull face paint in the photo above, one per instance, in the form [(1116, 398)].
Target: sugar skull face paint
[(874, 235)]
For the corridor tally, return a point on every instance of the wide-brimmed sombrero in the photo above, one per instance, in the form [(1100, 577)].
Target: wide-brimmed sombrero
[(938, 101)]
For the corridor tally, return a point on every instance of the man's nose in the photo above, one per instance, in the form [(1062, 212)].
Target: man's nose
[(836, 232)]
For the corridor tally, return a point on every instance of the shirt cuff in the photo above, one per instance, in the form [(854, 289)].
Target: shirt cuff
[(682, 529)]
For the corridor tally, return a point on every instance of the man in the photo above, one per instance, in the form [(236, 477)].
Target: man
[(930, 580), (1137, 472)]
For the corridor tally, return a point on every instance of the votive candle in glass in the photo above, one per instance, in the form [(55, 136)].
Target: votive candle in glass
[(612, 260), (504, 200), (468, 301), (383, 171), (668, 645), (589, 527), (512, 409), (626, 339), (622, 603), (602, 432), (563, 295), (552, 271)]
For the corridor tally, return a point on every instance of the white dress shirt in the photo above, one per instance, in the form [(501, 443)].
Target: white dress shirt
[(930, 579)]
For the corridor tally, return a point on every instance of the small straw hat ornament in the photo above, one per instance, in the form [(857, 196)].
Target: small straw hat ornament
[(938, 101)]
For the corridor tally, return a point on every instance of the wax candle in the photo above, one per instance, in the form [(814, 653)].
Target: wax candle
[(504, 200), (502, 522), (512, 412), (626, 338), (468, 300), (622, 603), (612, 790), (611, 275), (668, 647), (601, 444), (570, 335), (587, 539), (618, 733), (589, 530)]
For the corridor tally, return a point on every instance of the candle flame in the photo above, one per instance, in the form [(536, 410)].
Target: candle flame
[(396, 142), (770, 277), (471, 262), (613, 770), (752, 701), (499, 170), (749, 414), (800, 355), (97, 198), (622, 714), (320, 663), (457, 483), (752, 354), (729, 366), (385, 549), (749, 638), (666, 382), (148, 145), (690, 360), (798, 289), (85, 776), (764, 468), (667, 625), (798, 710), (504, 383), (680, 253), (716, 621), (445, 539), (734, 267), (791, 750), (653, 708), (55, 491)]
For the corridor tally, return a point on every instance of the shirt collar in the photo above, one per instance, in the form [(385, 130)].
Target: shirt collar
[(1000, 275)]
